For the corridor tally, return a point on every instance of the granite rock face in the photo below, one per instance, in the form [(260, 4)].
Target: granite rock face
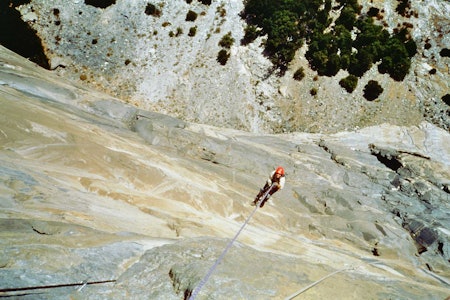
[(102, 200), (150, 58)]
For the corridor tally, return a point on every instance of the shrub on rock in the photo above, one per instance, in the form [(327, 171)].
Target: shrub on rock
[(349, 83), (222, 57), (372, 90)]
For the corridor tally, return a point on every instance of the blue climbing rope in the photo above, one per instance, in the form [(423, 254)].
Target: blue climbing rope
[(211, 270)]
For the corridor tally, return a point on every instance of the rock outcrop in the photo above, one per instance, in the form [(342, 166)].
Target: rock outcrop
[(158, 58), (101, 200)]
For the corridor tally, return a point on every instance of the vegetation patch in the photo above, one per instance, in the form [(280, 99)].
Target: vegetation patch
[(349, 83), (191, 16), (152, 10), (192, 31), (227, 41), (250, 34), (372, 90), (353, 42), (221, 10), (403, 8), (205, 2), (179, 31), (299, 74), (223, 56)]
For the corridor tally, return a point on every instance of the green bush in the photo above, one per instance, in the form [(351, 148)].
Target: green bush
[(345, 61), (333, 65), (402, 7), (360, 63), (322, 54), (222, 57), (372, 90), (299, 74), (349, 83), (251, 32), (288, 23), (411, 48), (344, 40), (226, 41), (404, 36), (192, 31), (350, 3), (396, 60), (318, 60), (371, 38), (191, 16), (283, 36), (179, 31), (221, 10), (347, 18), (151, 10), (373, 12)]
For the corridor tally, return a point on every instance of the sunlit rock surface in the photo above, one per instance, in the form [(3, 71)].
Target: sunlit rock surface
[(152, 61), (139, 205)]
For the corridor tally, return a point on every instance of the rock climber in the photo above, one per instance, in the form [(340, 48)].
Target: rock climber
[(275, 182)]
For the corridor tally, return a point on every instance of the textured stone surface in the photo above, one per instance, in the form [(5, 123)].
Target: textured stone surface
[(124, 51), (95, 190)]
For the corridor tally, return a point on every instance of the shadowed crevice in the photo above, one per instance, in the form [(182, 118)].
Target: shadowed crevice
[(18, 36)]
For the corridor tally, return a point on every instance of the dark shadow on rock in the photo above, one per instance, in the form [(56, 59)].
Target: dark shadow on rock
[(423, 235), (18, 36), (100, 3), (386, 157)]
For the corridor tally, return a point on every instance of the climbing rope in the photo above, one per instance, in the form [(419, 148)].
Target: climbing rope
[(315, 283), (212, 269), (53, 286), (323, 278)]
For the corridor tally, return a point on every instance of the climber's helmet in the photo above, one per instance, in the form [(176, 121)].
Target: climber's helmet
[(279, 171)]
